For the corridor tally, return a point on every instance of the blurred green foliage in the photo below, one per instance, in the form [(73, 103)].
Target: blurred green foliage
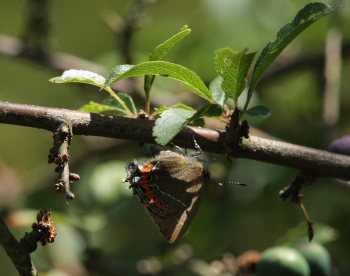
[(105, 217)]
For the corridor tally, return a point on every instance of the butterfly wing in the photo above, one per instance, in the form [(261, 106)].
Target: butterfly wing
[(177, 186)]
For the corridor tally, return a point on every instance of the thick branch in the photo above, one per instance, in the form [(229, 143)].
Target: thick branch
[(320, 163)]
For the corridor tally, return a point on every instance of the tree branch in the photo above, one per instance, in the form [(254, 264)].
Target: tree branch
[(19, 251), (316, 162), (20, 259)]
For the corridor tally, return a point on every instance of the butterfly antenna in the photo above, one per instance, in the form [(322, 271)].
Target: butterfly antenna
[(222, 183)]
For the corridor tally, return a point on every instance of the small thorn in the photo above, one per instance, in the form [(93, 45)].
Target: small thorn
[(74, 176), (310, 231)]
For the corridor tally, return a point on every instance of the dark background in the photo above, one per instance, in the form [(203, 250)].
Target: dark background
[(105, 220)]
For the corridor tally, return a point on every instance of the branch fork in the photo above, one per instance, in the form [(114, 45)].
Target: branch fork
[(292, 191)]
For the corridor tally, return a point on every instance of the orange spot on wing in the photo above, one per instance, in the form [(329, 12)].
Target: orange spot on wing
[(147, 168)]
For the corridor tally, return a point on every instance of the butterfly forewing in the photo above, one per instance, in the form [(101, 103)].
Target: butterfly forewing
[(170, 188)]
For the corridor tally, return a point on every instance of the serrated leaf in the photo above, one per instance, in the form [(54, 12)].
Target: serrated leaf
[(110, 104), (217, 92), (80, 76), (305, 17), (259, 111), (162, 50), (233, 68), (162, 68), (171, 123)]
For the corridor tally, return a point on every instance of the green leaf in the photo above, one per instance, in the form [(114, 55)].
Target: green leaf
[(259, 111), (161, 109), (81, 76), (162, 50), (173, 119), (233, 68), (110, 104), (305, 17), (162, 68), (95, 107), (210, 110), (216, 90), (183, 106), (198, 122), (117, 71), (171, 123)]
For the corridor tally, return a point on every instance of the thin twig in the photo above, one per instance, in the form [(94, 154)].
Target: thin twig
[(60, 156), (19, 251), (317, 162), (292, 191)]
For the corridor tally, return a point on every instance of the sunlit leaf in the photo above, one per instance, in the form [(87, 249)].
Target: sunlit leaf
[(125, 103), (80, 76), (167, 69)]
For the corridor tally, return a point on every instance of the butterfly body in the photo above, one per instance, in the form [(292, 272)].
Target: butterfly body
[(170, 186)]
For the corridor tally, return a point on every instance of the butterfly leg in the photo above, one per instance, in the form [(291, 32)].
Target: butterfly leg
[(198, 150)]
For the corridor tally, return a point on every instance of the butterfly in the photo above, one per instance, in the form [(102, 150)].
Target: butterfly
[(170, 186)]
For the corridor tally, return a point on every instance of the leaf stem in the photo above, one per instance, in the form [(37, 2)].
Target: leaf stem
[(147, 102), (247, 100), (122, 103)]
